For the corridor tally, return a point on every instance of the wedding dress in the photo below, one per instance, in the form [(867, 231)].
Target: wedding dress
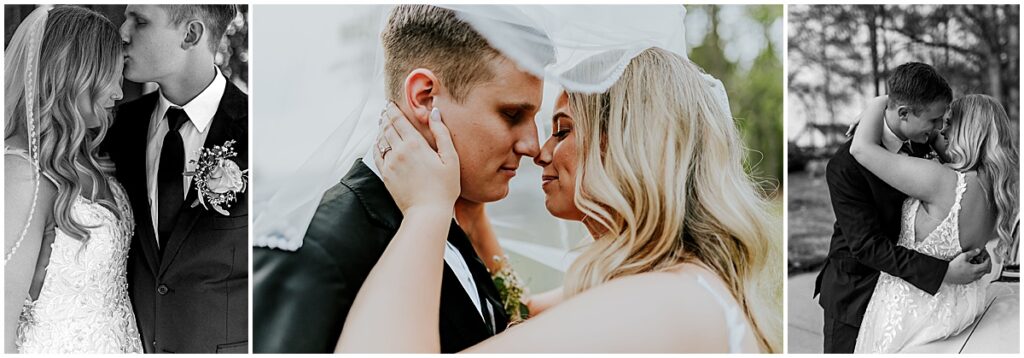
[(900, 315), (83, 305)]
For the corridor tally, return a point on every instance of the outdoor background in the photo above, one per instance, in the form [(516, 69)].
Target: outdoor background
[(839, 58), (232, 55), (312, 71)]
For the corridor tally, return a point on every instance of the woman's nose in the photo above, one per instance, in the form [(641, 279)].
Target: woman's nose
[(543, 158)]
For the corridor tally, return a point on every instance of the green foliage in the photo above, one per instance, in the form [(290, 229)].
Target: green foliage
[(755, 94)]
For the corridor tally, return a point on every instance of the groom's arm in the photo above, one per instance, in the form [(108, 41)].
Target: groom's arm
[(856, 213), (302, 298), (292, 294)]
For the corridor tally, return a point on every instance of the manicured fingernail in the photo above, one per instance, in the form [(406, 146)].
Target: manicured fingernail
[(435, 114)]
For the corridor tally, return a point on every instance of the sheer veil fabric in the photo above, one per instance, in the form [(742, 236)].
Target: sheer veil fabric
[(21, 61), (580, 48)]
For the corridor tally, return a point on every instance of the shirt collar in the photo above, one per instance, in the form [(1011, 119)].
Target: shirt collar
[(200, 110), (890, 140), (372, 165)]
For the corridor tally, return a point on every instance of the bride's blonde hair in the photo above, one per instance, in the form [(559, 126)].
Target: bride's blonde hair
[(980, 139), (79, 52), (661, 175)]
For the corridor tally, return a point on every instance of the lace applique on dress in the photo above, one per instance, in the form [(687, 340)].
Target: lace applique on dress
[(83, 305), (900, 315)]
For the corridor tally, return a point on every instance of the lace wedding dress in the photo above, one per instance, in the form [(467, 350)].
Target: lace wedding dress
[(83, 305), (900, 315)]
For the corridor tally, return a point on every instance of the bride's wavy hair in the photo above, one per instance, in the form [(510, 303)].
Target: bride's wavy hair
[(662, 178), (79, 52), (980, 139)]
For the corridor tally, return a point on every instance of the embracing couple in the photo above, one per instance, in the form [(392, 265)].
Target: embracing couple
[(398, 254), (918, 193), (119, 233)]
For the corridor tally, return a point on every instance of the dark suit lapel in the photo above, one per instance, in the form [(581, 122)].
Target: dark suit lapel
[(460, 321), (223, 127), (135, 179), (481, 276)]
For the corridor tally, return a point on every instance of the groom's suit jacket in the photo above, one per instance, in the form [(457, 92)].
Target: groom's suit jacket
[(303, 297), (864, 239), (194, 296)]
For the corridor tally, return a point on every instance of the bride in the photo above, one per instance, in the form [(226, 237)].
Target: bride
[(652, 168), (68, 225), (956, 205)]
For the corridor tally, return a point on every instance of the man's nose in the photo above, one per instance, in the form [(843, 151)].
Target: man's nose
[(123, 31), (528, 143)]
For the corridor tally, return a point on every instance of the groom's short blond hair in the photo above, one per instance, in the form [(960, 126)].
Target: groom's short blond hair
[(217, 18), (424, 36)]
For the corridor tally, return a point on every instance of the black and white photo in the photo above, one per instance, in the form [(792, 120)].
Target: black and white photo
[(126, 210)]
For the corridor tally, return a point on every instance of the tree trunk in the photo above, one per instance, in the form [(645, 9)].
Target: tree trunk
[(873, 43)]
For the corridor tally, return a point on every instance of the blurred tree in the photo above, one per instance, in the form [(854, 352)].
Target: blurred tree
[(841, 52), (755, 94)]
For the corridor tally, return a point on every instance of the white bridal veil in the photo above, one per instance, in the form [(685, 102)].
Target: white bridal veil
[(579, 48), (21, 61)]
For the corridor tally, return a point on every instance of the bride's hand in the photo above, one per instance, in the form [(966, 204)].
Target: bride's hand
[(416, 175)]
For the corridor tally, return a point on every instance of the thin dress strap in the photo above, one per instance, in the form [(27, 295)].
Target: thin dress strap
[(17, 152), (961, 187), (735, 321)]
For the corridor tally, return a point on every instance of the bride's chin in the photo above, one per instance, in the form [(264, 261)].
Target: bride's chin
[(560, 210)]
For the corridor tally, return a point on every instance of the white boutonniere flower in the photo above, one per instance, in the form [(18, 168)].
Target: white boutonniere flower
[(217, 179)]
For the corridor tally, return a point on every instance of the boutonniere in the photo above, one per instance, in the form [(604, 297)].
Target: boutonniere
[(512, 291), (217, 179)]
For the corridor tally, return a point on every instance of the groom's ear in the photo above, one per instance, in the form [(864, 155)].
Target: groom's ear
[(902, 112), (194, 32), (420, 88)]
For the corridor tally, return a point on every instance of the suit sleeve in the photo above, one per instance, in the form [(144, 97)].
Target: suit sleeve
[(302, 298), (295, 298), (856, 214)]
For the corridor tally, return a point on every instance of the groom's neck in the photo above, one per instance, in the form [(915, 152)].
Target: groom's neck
[(189, 83), (892, 122)]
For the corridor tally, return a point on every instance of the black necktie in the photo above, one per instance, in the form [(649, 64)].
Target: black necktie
[(170, 190), (906, 148)]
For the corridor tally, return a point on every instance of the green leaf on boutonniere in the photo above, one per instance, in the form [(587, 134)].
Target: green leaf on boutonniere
[(511, 290)]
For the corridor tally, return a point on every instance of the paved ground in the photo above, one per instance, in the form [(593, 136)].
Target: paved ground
[(804, 314), (998, 330)]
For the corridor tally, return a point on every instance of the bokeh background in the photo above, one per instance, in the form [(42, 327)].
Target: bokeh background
[(313, 71), (232, 55)]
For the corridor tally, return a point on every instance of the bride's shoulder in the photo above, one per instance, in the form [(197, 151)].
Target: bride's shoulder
[(17, 166), (20, 178), (678, 292), (673, 304), (679, 285)]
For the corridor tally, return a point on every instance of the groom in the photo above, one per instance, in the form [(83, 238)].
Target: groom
[(868, 213), (432, 59), (188, 265)]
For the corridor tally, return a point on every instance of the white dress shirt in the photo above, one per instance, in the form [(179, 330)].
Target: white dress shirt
[(200, 112), (452, 257)]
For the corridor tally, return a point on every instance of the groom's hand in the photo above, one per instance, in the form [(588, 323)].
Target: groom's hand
[(963, 269)]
